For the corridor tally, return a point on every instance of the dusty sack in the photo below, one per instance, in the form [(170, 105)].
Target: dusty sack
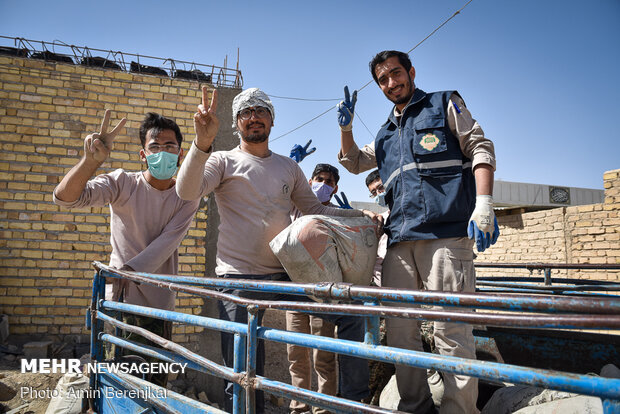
[(68, 394), (318, 248)]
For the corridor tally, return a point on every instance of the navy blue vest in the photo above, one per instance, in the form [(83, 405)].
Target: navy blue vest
[(429, 183)]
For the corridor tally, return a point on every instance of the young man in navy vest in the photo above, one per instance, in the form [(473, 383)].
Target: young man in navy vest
[(437, 169)]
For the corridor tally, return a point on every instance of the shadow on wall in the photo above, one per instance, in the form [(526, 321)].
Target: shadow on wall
[(511, 220)]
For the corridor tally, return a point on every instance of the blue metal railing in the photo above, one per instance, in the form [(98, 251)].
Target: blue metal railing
[(548, 284), (540, 312)]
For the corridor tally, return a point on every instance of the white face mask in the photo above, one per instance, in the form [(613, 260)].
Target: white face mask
[(380, 199), (322, 191)]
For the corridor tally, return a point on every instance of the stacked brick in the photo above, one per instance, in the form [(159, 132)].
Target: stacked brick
[(47, 109), (579, 234)]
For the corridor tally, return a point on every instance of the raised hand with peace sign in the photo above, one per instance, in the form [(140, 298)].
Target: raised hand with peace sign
[(206, 123), (346, 110), (97, 146)]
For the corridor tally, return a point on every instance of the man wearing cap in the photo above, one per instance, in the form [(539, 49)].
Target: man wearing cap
[(437, 169), (255, 190)]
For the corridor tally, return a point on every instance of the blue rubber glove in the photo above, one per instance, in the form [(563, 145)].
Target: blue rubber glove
[(483, 224), (344, 203), (298, 153), (346, 110)]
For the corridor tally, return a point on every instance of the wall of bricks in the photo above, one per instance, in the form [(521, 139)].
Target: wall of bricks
[(46, 109), (579, 234), (46, 252)]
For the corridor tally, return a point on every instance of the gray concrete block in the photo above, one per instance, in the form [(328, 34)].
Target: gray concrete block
[(40, 349)]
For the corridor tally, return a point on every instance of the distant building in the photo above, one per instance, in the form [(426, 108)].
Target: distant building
[(526, 197)]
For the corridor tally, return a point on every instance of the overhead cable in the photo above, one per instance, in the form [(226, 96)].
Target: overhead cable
[(365, 85), (304, 99)]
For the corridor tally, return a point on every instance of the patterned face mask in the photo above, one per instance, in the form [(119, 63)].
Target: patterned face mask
[(322, 191), (380, 199), (162, 165)]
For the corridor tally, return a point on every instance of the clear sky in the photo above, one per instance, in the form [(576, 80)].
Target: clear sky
[(541, 77)]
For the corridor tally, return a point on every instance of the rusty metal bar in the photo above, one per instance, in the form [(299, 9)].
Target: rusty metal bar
[(127, 383), (564, 321), (238, 367), (250, 366), (372, 328), (172, 402), (511, 302), (534, 290), (542, 266), (605, 312), (548, 280), (166, 344), (533, 283), (579, 383), (315, 399), (168, 356)]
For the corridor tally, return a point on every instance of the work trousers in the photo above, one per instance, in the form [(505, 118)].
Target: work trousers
[(438, 265), (301, 361), (353, 372)]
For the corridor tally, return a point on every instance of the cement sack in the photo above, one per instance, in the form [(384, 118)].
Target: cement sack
[(390, 396), (318, 248), (510, 399), (580, 404), (68, 394)]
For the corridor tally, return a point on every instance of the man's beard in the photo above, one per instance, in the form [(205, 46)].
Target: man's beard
[(401, 100), (255, 138), (405, 98)]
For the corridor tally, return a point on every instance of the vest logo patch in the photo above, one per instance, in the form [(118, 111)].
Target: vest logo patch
[(429, 142)]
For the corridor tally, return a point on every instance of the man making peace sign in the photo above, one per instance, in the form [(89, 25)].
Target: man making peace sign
[(148, 219)]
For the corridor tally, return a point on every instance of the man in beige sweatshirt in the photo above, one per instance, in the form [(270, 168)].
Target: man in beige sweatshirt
[(148, 220), (255, 190)]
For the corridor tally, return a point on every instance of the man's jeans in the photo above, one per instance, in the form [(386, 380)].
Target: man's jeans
[(353, 372)]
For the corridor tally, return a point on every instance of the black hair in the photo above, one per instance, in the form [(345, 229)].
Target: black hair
[(381, 57), (326, 168), (372, 177), (157, 123)]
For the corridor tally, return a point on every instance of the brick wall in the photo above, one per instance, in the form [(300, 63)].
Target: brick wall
[(46, 252), (579, 234)]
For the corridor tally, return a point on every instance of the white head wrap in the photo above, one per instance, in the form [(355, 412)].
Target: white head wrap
[(251, 98)]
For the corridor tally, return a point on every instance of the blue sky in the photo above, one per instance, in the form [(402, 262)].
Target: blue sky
[(541, 77)]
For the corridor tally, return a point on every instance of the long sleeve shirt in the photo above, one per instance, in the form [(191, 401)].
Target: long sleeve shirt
[(254, 196), (146, 225)]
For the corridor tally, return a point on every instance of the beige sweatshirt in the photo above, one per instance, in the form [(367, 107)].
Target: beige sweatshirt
[(254, 196), (146, 225)]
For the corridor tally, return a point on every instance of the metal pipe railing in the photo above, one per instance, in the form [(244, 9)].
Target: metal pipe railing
[(543, 266), (508, 302), (598, 312), (582, 384), (548, 280)]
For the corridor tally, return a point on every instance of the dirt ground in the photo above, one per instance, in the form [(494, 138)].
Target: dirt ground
[(28, 393), (29, 389), (31, 393)]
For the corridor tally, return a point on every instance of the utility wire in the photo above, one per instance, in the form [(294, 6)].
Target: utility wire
[(364, 123), (304, 124), (305, 99), (365, 85), (423, 40)]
